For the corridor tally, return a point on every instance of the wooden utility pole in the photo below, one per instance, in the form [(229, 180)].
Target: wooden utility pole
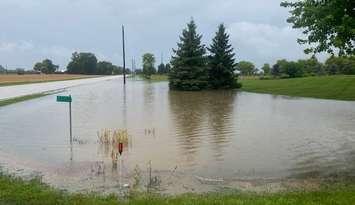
[(124, 57), (132, 67)]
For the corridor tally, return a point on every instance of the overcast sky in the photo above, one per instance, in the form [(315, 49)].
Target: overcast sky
[(32, 30)]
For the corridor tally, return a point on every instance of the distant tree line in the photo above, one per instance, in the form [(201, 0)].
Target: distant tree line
[(87, 63), (334, 65), (81, 63), (193, 69), (19, 71), (291, 69)]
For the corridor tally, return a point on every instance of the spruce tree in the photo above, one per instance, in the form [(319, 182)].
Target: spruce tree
[(221, 61), (188, 70)]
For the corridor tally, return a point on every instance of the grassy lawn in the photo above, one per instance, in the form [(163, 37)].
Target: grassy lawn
[(326, 87), (17, 191), (21, 98), (155, 78), (158, 77), (14, 79)]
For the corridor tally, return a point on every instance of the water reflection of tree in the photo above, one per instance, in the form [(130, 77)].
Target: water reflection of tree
[(148, 97), (187, 113), (202, 116), (220, 120)]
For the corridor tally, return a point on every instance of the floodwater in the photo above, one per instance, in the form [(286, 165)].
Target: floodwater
[(193, 141), (28, 89)]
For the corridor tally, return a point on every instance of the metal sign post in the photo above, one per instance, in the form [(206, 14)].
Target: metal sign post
[(120, 150), (124, 56), (71, 132), (69, 100)]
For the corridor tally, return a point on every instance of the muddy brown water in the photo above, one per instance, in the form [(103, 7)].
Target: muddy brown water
[(195, 141)]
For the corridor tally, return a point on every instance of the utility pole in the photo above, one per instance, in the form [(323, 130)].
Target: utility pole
[(132, 67), (124, 57), (70, 122)]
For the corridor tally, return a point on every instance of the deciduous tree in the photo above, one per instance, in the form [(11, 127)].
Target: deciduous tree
[(46, 66), (82, 63), (266, 69), (148, 65), (246, 68), (328, 24), (104, 68)]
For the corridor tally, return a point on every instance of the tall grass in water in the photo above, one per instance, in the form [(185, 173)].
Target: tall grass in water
[(110, 140), (113, 137)]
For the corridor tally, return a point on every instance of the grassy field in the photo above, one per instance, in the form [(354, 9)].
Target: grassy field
[(155, 78), (14, 79), (158, 78), (17, 191), (338, 87)]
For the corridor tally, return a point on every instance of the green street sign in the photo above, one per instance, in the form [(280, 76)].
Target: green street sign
[(64, 98)]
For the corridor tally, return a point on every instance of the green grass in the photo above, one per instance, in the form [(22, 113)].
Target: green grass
[(158, 77), (21, 98), (155, 78), (338, 87), (3, 84), (17, 191)]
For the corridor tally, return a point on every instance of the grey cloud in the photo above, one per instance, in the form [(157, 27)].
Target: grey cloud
[(56, 28)]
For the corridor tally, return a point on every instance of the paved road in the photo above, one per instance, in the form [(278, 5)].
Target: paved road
[(7, 92)]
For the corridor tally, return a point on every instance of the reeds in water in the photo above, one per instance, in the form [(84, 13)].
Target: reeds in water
[(113, 137), (110, 140)]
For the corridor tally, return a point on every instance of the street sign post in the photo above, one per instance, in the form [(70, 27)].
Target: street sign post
[(64, 98), (67, 99)]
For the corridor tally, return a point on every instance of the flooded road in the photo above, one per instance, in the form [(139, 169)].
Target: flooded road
[(28, 89), (191, 140)]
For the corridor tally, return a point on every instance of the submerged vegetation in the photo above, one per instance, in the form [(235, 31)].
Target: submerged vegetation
[(17, 191), (113, 142), (113, 137)]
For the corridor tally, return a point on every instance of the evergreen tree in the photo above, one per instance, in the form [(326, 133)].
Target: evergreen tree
[(221, 61), (188, 70), (167, 67), (161, 68)]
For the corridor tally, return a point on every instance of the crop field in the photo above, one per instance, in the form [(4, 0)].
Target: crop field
[(14, 79)]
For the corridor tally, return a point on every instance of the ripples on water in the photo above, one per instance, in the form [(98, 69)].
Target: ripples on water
[(211, 133)]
